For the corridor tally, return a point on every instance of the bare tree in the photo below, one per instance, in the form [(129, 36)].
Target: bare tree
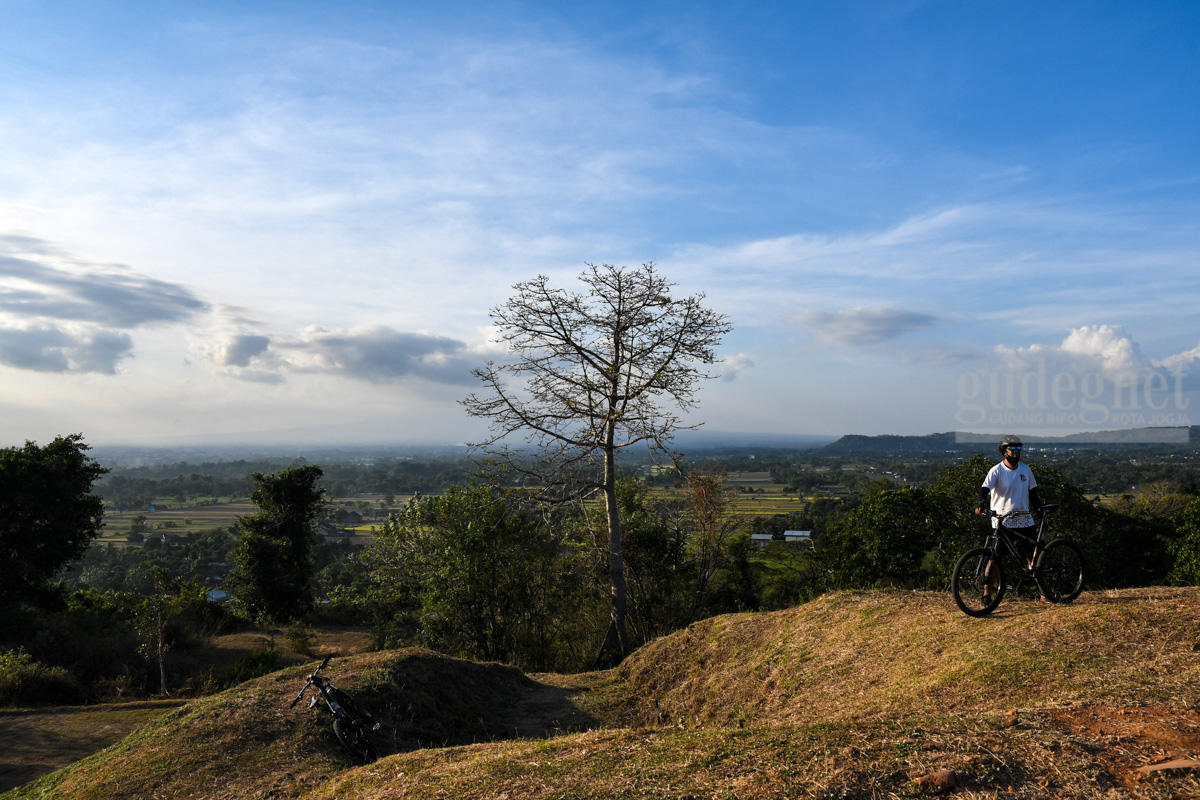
[(592, 373)]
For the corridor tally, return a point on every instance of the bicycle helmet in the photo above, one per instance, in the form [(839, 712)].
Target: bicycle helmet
[(1010, 440)]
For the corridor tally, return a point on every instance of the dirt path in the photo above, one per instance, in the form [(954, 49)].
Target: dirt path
[(1137, 742), (34, 742)]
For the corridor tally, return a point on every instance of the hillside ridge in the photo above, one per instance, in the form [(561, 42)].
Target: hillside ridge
[(853, 690)]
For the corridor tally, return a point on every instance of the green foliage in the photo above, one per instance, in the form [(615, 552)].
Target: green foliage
[(48, 513), (92, 635), (678, 556), (740, 588), (108, 640), (299, 639), (1120, 549), (254, 664), (1186, 548), (656, 563), (24, 681), (469, 573), (955, 526), (911, 537), (272, 580), (883, 542)]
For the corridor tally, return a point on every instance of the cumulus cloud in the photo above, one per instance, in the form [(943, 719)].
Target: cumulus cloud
[(239, 349), (1106, 350), (380, 354), (735, 364), (1096, 376), (860, 326), (59, 314), (50, 349), (377, 354)]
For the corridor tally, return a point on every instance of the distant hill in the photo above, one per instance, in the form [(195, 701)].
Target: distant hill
[(965, 442), (856, 694), (854, 444)]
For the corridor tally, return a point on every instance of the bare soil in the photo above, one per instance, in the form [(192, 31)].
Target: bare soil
[(1137, 743)]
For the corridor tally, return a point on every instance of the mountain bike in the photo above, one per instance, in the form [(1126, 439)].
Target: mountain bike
[(979, 582), (352, 724)]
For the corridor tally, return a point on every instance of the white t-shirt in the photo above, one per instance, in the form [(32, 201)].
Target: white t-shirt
[(1010, 492)]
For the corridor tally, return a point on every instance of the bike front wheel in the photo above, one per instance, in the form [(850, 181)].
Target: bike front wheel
[(978, 582), (354, 738), (1060, 571)]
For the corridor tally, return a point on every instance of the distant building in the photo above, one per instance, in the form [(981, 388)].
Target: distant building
[(797, 536), (760, 539)]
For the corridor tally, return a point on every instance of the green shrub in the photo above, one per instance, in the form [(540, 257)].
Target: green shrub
[(299, 640), (24, 681), (254, 664)]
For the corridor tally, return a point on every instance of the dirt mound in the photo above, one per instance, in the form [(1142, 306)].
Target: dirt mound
[(856, 656), (249, 742)]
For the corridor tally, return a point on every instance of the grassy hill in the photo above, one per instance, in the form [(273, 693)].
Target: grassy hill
[(877, 694)]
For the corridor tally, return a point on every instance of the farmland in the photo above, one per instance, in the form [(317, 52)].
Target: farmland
[(167, 516), (749, 494)]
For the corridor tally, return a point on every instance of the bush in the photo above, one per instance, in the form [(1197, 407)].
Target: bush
[(24, 681), (254, 664), (299, 640)]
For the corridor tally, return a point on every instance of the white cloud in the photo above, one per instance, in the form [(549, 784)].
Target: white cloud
[(61, 314), (1097, 372), (44, 348), (39, 283), (1107, 350), (375, 354), (1186, 363), (860, 326), (733, 365)]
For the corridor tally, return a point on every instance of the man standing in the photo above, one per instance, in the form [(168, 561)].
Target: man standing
[(1010, 487)]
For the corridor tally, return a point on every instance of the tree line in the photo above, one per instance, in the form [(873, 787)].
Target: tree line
[(484, 572), (139, 487)]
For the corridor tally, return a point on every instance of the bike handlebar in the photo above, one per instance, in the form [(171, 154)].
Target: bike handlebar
[(309, 682), (1046, 508)]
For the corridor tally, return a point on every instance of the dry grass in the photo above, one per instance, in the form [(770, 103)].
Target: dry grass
[(36, 741), (854, 695), (877, 655)]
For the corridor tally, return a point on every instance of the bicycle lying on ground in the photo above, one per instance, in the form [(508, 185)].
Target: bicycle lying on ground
[(352, 723), (978, 583)]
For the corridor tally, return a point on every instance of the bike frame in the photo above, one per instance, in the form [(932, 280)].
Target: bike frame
[(344, 711), (336, 701), (1008, 537), (979, 580)]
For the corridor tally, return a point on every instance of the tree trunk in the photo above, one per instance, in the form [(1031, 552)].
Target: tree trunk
[(162, 656), (616, 560)]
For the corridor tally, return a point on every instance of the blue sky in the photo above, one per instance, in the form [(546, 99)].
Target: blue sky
[(287, 221)]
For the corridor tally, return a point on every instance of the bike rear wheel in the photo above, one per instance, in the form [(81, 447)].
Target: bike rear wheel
[(1060, 571), (354, 738), (978, 582)]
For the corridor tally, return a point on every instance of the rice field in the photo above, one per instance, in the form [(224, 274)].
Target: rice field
[(752, 495), (168, 515)]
